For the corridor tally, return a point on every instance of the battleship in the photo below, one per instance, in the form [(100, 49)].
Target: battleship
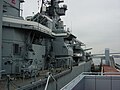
[(38, 53)]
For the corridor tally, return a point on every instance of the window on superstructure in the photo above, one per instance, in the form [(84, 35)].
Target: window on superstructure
[(16, 49)]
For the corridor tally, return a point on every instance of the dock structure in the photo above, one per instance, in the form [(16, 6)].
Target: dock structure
[(94, 81), (107, 78)]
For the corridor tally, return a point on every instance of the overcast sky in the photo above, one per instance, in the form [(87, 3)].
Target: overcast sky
[(94, 22)]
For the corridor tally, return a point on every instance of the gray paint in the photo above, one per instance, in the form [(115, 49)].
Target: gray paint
[(97, 82), (89, 83), (1, 11), (28, 44), (10, 37), (61, 81), (61, 48), (39, 51), (107, 59), (80, 85), (23, 24), (12, 8)]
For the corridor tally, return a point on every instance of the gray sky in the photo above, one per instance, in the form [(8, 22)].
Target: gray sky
[(94, 22)]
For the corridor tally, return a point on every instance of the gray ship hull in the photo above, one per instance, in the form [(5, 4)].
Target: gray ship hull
[(62, 78), (39, 44)]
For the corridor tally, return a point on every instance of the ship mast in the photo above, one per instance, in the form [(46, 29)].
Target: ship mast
[(53, 10)]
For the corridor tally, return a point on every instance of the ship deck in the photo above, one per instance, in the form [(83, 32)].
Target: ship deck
[(107, 68), (16, 81)]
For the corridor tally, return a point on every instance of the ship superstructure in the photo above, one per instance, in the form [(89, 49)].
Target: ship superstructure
[(38, 43)]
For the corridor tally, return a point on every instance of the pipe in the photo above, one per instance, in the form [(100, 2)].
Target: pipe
[(1, 14), (50, 76), (47, 82)]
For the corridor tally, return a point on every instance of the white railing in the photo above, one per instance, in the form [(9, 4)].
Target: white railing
[(50, 76), (73, 83), (80, 77)]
